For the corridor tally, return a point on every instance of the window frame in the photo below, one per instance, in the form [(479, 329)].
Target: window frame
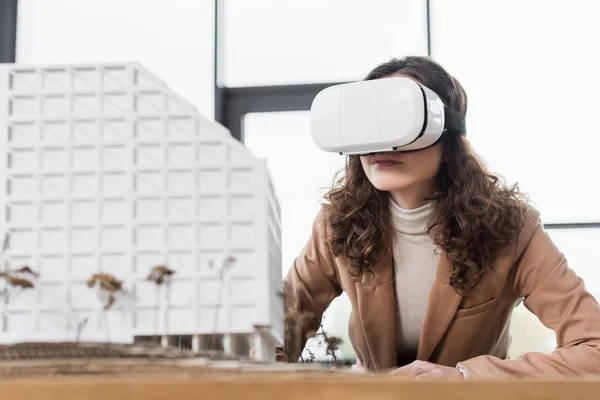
[(8, 30), (232, 103)]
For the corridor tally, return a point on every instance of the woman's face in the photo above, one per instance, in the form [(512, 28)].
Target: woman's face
[(396, 171)]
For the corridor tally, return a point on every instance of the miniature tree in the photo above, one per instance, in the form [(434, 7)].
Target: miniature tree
[(332, 344), (212, 341), (161, 276), (16, 281), (226, 266), (297, 330), (80, 325), (108, 286)]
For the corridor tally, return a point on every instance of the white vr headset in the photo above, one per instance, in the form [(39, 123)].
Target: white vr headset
[(391, 114)]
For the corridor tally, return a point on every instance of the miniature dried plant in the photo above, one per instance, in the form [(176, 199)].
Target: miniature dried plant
[(20, 278), (108, 284), (160, 274), (17, 281), (26, 270), (299, 326), (332, 344), (80, 325), (311, 356), (227, 264)]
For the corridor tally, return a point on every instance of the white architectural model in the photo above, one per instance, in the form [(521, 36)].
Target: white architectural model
[(105, 170)]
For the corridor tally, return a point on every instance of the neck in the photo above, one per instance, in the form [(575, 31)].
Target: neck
[(414, 196)]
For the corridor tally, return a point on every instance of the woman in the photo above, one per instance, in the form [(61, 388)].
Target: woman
[(434, 254)]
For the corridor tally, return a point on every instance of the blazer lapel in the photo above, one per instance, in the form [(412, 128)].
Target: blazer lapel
[(376, 308), (443, 302)]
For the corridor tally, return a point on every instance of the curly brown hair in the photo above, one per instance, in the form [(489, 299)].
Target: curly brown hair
[(475, 214)]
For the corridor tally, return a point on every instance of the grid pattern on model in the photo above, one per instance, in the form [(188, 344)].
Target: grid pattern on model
[(106, 169)]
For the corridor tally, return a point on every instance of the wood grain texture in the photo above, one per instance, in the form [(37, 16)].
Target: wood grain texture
[(292, 386)]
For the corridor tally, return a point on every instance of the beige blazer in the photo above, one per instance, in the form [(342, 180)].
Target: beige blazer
[(470, 329)]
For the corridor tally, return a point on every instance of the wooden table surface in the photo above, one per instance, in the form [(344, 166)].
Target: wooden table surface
[(201, 379), (290, 386)]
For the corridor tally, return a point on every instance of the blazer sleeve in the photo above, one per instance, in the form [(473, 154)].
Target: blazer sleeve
[(309, 287), (557, 296)]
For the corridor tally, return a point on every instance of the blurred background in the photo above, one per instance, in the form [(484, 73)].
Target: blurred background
[(530, 69)]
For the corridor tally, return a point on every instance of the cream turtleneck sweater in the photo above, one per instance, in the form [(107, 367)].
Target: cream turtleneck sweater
[(415, 263)]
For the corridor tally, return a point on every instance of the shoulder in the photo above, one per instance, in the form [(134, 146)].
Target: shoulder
[(321, 229), (322, 222), (531, 221), (532, 228)]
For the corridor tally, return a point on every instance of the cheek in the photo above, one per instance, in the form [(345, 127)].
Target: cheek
[(371, 172), (366, 165), (427, 167)]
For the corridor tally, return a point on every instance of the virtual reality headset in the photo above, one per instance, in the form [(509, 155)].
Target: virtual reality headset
[(390, 114)]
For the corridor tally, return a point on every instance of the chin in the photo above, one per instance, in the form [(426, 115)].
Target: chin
[(389, 185)]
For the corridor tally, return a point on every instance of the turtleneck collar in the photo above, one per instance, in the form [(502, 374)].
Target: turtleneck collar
[(413, 221)]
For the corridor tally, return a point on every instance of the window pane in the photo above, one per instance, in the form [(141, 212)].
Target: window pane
[(582, 250), (299, 170), (172, 38), (270, 42), (532, 86)]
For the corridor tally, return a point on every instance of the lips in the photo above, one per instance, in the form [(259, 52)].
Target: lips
[(382, 159)]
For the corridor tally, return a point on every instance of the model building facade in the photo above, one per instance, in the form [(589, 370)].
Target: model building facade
[(105, 170)]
